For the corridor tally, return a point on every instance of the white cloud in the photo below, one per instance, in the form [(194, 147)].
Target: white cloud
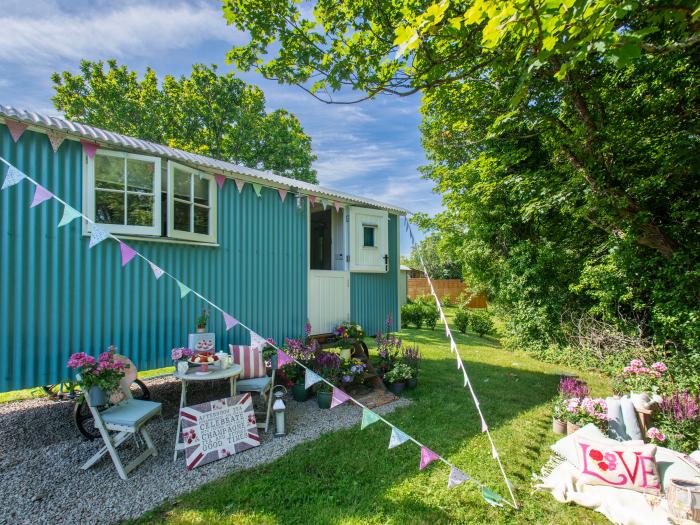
[(127, 30)]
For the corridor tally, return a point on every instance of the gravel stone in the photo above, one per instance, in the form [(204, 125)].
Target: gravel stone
[(41, 452)]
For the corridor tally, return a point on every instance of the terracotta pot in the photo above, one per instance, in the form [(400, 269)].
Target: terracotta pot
[(558, 426), (201, 330), (571, 427)]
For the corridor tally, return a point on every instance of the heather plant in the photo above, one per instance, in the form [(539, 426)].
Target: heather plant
[(410, 355), (677, 422), (328, 366), (572, 387), (389, 348)]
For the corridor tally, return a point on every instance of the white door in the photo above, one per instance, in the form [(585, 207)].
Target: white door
[(369, 240), (329, 300)]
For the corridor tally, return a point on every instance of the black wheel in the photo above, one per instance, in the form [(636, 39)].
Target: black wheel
[(83, 417)]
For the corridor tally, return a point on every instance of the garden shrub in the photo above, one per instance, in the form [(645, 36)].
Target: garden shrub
[(412, 314), (462, 320), (427, 300), (430, 315), (480, 321)]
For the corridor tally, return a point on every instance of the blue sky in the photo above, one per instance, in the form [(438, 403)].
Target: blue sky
[(371, 149)]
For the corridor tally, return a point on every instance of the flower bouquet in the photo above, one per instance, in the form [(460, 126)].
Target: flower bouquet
[(99, 377)]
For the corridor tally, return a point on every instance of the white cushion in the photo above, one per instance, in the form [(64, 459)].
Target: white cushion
[(131, 412), (671, 465), (257, 384), (566, 446)]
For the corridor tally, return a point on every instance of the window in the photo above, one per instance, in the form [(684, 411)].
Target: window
[(191, 204), (123, 192), (369, 236)]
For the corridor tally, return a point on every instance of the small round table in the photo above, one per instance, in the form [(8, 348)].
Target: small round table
[(216, 372)]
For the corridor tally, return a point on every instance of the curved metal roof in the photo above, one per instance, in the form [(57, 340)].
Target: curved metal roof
[(226, 168)]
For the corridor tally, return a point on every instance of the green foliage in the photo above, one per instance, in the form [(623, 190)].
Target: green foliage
[(425, 300), (412, 314), (437, 256), (480, 321), (462, 320), (422, 311), (206, 113), (430, 315)]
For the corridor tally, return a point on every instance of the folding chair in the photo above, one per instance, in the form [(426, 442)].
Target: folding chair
[(250, 359), (127, 418)]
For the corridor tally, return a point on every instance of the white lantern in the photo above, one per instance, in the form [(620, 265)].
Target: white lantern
[(278, 407)]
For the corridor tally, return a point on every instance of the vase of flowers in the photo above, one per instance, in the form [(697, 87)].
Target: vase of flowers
[(348, 334), (643, 382), (580, 412), (397, 377), (99, 377), (202, 321), (410, 356), (564, 420)]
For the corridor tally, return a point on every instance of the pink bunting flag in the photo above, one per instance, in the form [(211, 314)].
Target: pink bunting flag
[(41, 194), (56, 138), (312, 199), (230, 321), (158, 272), (16, 128), (89, 147), (427, 456), (339, 397), (484, 426), (220, 179), (283, 359), (239, 184), (127, 252), (283, 194), (337, 206)]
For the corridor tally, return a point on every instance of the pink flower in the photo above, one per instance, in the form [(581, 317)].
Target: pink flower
[(636, 363), (655, 434), (104, 356), (80, 359), (659, 367)]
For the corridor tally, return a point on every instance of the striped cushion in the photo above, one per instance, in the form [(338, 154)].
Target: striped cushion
[(250, 359)]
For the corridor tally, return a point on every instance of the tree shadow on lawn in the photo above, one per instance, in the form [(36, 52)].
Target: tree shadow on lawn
[(350, 476)]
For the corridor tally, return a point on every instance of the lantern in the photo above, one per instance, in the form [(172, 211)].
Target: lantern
[(278, 408)]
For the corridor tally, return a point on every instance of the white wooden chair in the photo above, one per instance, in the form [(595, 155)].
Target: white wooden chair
[(257, 385), (127, 418)]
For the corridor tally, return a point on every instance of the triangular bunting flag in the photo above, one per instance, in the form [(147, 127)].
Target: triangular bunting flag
[(337, 206), (453, 346), (89, 148), (494, 452), (312, 199), (427, 456), (459, 363), (156, 271), (324, 203), (239, 184), (283, 194), (220, 180), (16, 128), (230, 321), (256, 340), (127, 252), (257, 189), (339, 397), (491, 497), (56, 138), (184, 290), (368, 417), (12, 177), (69, 214), (41, 194), (283, 359), (397, 438), (457, 477), (311, 379), (97, 236), (484, 426), (466, 377)]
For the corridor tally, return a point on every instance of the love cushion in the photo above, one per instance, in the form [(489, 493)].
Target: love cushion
[(623, 466)]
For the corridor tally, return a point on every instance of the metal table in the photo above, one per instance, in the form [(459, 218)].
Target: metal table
[(231, 373)]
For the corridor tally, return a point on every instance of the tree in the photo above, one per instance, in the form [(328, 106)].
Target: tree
[(563, 136), (206, 113), (441, 264)]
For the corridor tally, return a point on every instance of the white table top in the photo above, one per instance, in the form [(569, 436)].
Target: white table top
[(215, 372)]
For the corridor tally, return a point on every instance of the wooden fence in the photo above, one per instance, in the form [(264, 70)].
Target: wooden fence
[(451, 288)]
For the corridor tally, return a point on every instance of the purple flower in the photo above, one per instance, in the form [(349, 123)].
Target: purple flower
[(347, 379), (572, 387), (80, 359)]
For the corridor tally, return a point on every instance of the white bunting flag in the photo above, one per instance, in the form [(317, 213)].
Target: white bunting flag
[(12, 177), (494, 452), (397, 438), (453, 346), (69, 214), (324, 203), (56, 138), (457, 477), (311, 379), (239, 185), (97, 235), (256, 340), (184, 290), (158, 272)]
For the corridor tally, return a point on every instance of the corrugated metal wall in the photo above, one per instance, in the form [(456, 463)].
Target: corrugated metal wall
[(374, 295), (58, 297)]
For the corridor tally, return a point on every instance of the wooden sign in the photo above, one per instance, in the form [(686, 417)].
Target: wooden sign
[(217, 429)]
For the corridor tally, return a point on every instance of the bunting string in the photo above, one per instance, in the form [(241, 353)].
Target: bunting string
[(397, 438), (467, 383)]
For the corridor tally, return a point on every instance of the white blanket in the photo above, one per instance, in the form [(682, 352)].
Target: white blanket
[(620, 506)]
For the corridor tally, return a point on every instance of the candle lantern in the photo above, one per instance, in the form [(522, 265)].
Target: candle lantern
[(278, 407)]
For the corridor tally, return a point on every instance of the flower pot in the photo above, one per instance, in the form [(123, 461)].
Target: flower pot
[(412, 383), (299, 392), (345, 353), (201, 330), (324, 399), (273, 361), (98, 397), (558, 426), (396, 388), (571, 427)]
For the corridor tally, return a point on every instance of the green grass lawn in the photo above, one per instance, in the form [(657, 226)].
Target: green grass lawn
[(350, 477)]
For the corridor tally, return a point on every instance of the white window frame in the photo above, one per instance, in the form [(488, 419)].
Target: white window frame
[(190, 236), (90, 185), (375, 233)]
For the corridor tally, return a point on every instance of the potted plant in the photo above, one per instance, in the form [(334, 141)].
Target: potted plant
[(388, 350), (348, 334), (558, 415), (677, 422), (410, 356), (569, 388), (295, 375), (643, 382), (328, 366), (352, 372), (269, 355), (324, 394), (396, 378), (202, 321), (99, 377), (580, 412)]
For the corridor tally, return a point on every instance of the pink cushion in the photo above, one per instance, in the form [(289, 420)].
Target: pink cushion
[(624, 466), (250, 359)]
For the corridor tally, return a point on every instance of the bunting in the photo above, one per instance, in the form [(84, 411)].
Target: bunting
[(69, 214), (427, 456), (257, 341), (97, 235), (397, 438), (41, 194), (368, 417), (239, 184), (184, 290), (56, 138), (337, 206), (282, 193), (457, 477), (491, 497), (257, 189), (283, 359), (89, 148), (311, 378), (15, 128), (312, 199), (128, 253), (220, 180), (12, 177), (229, 320), (339, 397), (324, 203), (158, 272)]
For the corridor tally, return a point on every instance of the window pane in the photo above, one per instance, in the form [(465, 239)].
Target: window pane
[(109, 172), (139, 210), (139, 175), (181, 185), (201, 190), (181, 216), (201, 220), (109, 207), (369, 236)]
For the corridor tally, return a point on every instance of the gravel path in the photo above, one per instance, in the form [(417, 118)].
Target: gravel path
[(41, 452)]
